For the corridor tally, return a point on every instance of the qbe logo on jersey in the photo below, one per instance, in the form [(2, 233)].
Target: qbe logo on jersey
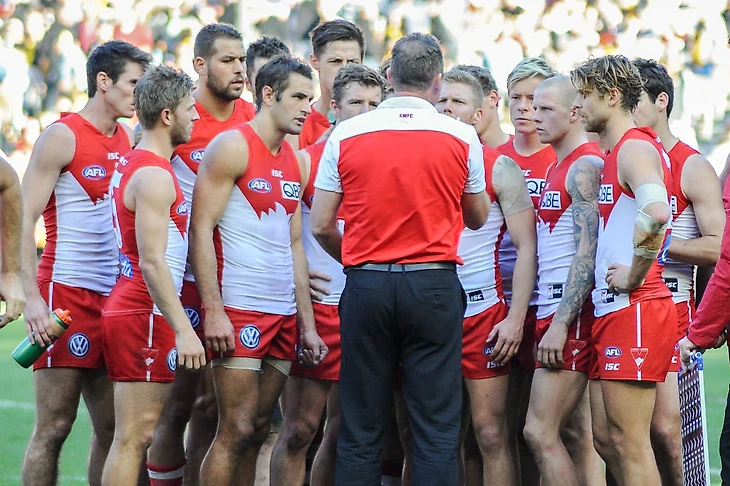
[(605, 194), (79, 345), (535, 186), (94, 172), (290, 190), (550, 200), (172, 360), (250, 336)]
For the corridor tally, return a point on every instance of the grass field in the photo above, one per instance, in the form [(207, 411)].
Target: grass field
[(17, 414)]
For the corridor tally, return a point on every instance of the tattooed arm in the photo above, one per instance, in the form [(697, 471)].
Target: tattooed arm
[(582, 182)]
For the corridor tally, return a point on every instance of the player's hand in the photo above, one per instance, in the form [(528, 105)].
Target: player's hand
[(550, 348), (617, 278), (508, 334), (317, 288), (312, 350), (37, 321), (190, 351), (721, 339), (11, 291), (687, 348), (219, 332)]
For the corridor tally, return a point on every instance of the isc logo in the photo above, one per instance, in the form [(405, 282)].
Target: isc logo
[(197, 155), (259, 185), (605, 194), (113, 156), (290, 190), (94, 172), (551, 200), (535, 186), (612, 366), (612, 352)]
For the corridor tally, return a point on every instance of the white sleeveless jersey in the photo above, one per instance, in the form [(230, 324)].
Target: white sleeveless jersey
[(252, 239), (318, 259), (679, 276), (555, 233)]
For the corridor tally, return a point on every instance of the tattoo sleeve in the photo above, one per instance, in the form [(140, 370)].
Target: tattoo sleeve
[(582, 182), (510, 185)]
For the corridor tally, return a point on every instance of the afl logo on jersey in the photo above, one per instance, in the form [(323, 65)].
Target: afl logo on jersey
[(612, 352), (197, 155), (183, 208), (79, 345), (259, 185), (250, 336), (94, 172)]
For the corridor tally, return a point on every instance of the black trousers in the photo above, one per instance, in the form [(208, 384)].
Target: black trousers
[(413, 319)]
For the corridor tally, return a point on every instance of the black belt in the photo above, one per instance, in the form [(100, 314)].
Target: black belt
[(405, 267)]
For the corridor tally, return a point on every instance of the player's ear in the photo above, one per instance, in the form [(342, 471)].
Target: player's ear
[(103, 81), (662, 101), (200, 65), (166, 117)]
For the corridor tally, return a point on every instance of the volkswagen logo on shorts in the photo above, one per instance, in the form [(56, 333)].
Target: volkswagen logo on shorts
[(172, 359), (94, 172), (79, 345), (250, 336), (193, 316), (260, 185), (612, 352), (197, 155)]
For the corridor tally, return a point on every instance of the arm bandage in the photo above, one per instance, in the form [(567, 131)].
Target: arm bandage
[(645, 195)]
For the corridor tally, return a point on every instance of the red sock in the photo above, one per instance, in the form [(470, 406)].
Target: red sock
[(166, 475)]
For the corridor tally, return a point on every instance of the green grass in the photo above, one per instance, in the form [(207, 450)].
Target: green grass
[(17, 414)]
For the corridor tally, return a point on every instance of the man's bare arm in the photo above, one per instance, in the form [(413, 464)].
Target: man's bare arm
[(11, 221), (53, 151)]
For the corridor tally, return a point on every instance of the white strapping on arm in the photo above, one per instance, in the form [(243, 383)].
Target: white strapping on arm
[(646, 194)]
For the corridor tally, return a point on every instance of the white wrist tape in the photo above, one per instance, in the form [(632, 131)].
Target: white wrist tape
[(645, 195)]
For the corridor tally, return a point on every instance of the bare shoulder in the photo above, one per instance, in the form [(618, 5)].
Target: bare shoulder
[(153, 184), (55, 147)]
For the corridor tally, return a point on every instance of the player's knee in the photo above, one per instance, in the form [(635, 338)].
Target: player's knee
[(666, 434), (261, 430), (491, 436), (299, 435), (205, 408), (535, 433), (56, 431)]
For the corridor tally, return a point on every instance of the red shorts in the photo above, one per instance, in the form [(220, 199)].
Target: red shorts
[(578, 349), (327, 320), (190, 299), (139, 347), (81, 346), (636, 343), (258, 335), (525, 356), (476, 355), (685, 312)]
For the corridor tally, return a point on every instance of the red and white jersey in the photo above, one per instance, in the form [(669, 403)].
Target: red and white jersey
[(80, 247), (318, 259), (679, 276), (480, 276), (186, 158), (314, 127), (535, 168), (252, 239), (618, 210), (130, 294), (555, 232)]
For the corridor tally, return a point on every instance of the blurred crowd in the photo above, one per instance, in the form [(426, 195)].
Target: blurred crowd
[(44, 43)]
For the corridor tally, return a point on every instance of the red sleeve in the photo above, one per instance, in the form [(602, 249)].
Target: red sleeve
[(714, 312)]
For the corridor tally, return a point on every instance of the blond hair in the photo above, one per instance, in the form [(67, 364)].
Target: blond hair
[(529, 68), (605, 73)]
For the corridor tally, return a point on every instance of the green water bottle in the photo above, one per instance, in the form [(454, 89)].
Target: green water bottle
[(27, 353)]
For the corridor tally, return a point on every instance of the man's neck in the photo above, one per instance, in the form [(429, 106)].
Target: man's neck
[(158, 142), (493, 135), (528, 144), (265, 127), (616, 128), (665, 134), (98, 114), (571, 141), (219, 109), (322, 105), (413, 94)]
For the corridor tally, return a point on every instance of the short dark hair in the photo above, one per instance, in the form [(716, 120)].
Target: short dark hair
[(417, 60), (656, 81), (384, 73), (481, 74), (265, 48), (336, 30), (275, 74), (356, 73), (112, 58), (161, 88), (205, 40)]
